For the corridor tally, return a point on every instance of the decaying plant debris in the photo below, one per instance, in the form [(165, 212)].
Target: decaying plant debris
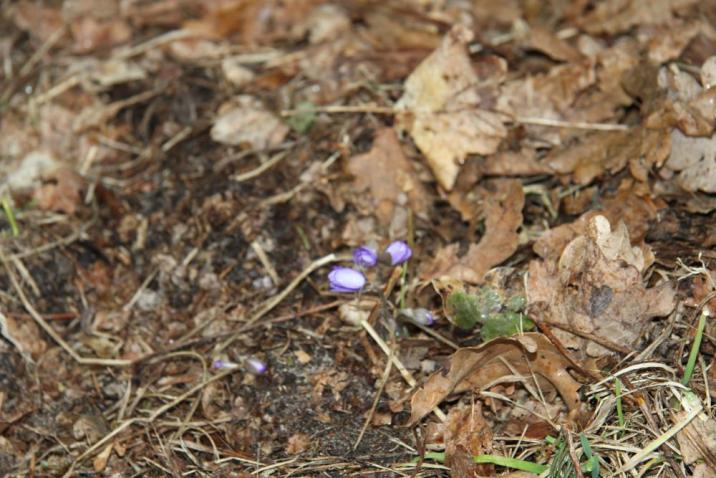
[(182, 183)]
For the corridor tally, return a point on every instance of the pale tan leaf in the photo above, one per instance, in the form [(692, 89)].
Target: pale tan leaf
[(441, 109), (248, 122)]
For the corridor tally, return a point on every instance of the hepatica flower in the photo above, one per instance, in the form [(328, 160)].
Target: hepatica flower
[(399, 252), (251, 365), (255, 366), (365, 256), (345, 279), (419, 316)]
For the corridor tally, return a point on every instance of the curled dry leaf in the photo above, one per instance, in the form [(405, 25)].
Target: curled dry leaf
[(596, 290), (611, 151), (441, 109), (697, 440), (502, 201), (473, 368), (388, 174), (248, 122)]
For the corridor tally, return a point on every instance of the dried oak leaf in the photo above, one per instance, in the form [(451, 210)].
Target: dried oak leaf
[(246, 121), (256, 21), (467, 434), (631, 203), (473, 368), (694, 158), (617, 16), (441, 109), (502, 201), (548, 96), (388, 174), (596, 290), (686, 105)]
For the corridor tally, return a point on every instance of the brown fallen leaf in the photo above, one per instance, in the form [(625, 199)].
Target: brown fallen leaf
[(467, 434), (686, 105), (617, 16), (502, 202), (596, 290), (256, 21), (550, 96), (298, 443), (388, 174), (246, 121), (24, 334), (61, 191), (631, 203), (514, 163), (91, 34), (473, 368), (550, 44), (441, 109), (694, 159), (41, 22)]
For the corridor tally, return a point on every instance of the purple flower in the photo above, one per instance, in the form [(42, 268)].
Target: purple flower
[(365, 256), (419, 316), (255, 366), (399, 252), (220, 363), (424, 317), (345, 279)]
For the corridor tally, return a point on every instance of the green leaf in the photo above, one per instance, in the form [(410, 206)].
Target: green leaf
[(467, 310), (505, 324), (302, 120), (464, 310), (516, 303), (505, 461)]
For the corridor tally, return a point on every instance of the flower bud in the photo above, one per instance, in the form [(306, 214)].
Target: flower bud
[(365, 256), (399, 252), (419, 316), (255, 366), (345, 279)]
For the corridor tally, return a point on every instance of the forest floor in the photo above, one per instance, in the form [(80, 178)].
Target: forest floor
[(178, 178)]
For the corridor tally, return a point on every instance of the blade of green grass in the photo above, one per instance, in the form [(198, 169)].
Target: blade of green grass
[(693, 355), (10, 216), (507, 462)]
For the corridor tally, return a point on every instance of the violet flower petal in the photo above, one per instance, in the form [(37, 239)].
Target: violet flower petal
[(255, 366), (399, 252), (365, 256), (345, 279)]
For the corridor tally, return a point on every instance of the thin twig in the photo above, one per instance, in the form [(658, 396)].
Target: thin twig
[(241, 177), (378, 393), (49, 330), (275, 300), (158, 412)]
